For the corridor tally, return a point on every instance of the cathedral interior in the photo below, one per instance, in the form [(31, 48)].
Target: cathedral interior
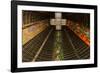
[(55, 36)]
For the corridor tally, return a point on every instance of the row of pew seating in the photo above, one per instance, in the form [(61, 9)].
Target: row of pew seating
[(30, 48), (68, 52), (82, 49), (47, 51)]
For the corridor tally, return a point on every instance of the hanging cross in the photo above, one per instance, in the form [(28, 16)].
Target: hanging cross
[(58, 21)]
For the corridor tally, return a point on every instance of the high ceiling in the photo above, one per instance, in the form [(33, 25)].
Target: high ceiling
[(75, 17)]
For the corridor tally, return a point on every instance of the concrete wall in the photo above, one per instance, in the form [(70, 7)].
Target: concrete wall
[(33, 23)]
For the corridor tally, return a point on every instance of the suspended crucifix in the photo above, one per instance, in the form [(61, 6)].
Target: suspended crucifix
[(58, 21)]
